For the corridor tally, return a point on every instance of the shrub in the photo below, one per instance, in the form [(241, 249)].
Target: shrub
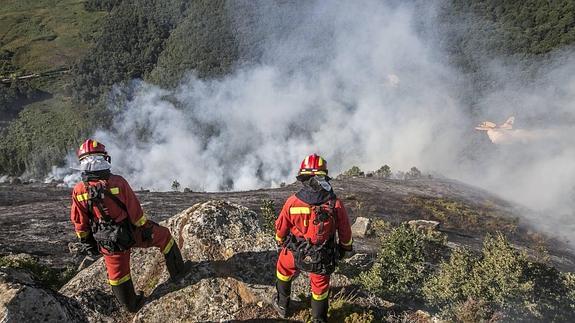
[(402, 264), (176, 186), (353, 171), (343, 309), (50, 277), (268, 214), (413, 173), (501, 282), (383, 172)]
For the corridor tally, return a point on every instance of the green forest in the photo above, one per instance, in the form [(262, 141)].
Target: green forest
[(108, 42)]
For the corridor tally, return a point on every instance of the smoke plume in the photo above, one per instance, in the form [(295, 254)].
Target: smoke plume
[(361, 84)]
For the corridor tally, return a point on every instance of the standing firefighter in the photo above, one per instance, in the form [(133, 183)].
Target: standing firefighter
[(306, 229), (108, 219)]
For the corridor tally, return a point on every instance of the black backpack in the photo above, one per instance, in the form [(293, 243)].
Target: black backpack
[(109, 234)]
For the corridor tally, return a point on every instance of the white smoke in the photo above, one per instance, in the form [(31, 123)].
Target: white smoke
[(358, 84), (354, 84)]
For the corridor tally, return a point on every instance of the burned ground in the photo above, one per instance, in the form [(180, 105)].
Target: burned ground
[(34, 218)]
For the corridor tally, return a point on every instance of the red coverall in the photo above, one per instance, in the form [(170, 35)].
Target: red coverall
[(147, 233), (298, 218)]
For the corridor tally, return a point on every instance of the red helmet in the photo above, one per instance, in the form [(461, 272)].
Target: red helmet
[(92, 147), (313, 165)]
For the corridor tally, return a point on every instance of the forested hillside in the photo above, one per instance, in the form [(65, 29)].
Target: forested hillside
[(107, 42)]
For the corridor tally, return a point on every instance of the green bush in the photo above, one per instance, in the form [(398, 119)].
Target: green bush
[(343, 309), (353, 171), (50, 277), (269, 215), (402, 264), (501, 282), (383, 172)]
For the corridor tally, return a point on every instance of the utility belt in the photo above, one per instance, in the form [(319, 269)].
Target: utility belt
[(318, 259)]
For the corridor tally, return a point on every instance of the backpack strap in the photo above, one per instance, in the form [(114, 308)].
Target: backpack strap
[(95, 198), (116, 200)]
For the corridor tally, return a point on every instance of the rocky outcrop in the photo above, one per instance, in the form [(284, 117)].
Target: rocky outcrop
[(23, 300), (232, 266), (231, 277), (361, 227)]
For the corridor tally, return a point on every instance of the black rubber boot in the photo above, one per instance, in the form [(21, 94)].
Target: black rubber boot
[(281, 302), (126, 295), (319, 310), (175, 263)]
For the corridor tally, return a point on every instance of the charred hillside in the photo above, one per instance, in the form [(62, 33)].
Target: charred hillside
[(229, 240), (466, 213)]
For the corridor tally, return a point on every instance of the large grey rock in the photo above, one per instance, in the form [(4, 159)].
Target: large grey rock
[(233, 263), (361, 227), (23, 300), (424, 224)]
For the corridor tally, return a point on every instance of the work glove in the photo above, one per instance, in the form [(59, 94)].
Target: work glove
[(343, 252), (89, 246)]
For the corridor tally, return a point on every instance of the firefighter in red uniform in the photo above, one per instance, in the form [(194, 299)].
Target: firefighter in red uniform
[(108, 219), (306, 229)]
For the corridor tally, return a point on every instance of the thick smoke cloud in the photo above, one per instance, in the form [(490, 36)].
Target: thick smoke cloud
[(360, 84), (353, 83)]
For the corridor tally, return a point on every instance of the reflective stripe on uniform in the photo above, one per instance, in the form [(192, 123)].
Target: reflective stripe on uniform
[(84, 197), (283, 278), (81, 234), (116, 282), (348, 243), (279, 239), (320, 297), (313, 172), (141, 221), (300, 210), (168, 246)]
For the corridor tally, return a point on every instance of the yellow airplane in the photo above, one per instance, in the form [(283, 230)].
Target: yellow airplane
[(505, 134)]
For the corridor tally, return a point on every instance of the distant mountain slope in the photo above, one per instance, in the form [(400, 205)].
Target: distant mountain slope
[(113, 41)]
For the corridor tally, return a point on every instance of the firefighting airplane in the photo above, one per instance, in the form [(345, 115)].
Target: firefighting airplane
[(505, 134)]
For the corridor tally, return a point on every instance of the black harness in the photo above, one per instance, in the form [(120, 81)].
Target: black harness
[(111, 235), (316, 258)]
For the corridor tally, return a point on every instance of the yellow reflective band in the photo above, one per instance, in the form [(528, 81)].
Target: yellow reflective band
[(299, 210), (321, 296), (279, 239), (141, 221), (115, 190), (82, 197), (168, 246), (282, 277), (347, 244), (81, 234), (320, 161), (313, 172), (94, 144), (120, 281), (305, 222)]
